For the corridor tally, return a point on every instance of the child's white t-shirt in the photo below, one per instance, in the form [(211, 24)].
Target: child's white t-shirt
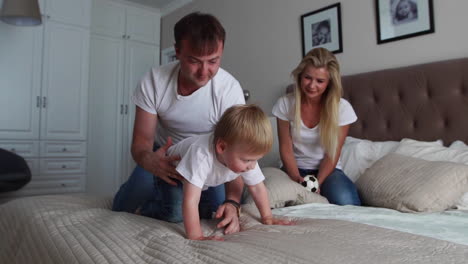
[(200, 167), (307, 149)]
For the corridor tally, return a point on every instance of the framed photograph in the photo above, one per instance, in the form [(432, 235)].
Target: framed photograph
[(399, 19), (322, 28)]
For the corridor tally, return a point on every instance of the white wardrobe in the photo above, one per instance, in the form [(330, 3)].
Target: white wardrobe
[(43, 102), (124, 46)]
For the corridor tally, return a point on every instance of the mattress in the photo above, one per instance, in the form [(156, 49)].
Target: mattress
[(83, 229)]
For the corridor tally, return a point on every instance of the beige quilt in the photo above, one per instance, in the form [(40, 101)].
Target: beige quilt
[(82, 229)]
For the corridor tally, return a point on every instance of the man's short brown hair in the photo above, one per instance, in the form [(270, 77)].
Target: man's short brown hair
[(203, 31)]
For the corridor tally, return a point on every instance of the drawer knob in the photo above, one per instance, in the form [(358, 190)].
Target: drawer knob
[(64, 166), (63, 185), (64, 149)]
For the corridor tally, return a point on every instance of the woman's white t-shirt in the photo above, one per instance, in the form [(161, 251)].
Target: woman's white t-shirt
[(307, 149)]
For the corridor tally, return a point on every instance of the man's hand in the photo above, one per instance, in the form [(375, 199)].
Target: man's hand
[(230, 223), (162, 166)]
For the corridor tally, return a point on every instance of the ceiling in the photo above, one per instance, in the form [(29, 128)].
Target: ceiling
[(153, 3), (166, 6)]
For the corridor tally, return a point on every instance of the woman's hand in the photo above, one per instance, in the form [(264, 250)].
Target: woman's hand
[(296, 178)]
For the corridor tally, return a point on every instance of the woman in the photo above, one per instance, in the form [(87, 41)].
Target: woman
[(312, 131)]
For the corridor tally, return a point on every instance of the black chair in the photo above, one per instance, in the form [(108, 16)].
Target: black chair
[(14, 171)]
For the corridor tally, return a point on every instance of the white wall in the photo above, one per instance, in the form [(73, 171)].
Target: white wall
[(264, 40)]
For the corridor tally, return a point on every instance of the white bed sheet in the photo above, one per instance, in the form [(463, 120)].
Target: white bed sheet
[(451, 225)]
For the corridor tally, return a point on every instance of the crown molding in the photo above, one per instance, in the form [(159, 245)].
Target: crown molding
[(173, 5)]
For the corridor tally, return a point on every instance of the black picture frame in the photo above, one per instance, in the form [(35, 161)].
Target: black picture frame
[(314, 26), (415, 18)]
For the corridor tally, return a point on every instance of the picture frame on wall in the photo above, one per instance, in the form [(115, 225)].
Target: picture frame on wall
[(322, 28), (400, 19)]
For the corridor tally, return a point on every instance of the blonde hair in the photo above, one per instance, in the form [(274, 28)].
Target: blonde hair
[(247, 125), (329, 113)]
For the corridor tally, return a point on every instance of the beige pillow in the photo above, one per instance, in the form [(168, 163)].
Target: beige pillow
[(410, 184), (458, 152), (282, 191)]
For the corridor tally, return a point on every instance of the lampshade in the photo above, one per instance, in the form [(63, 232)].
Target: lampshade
[(21, 12), (246, 95)]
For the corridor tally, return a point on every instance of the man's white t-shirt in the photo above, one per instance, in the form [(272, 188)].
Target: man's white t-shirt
[(308, 151), (200, 167), (180, 116)]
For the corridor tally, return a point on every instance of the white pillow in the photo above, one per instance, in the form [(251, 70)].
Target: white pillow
[(462, 203), (458, 153), (359, 154), (410, 184), (432, 152), (429, 151), (459, 145)]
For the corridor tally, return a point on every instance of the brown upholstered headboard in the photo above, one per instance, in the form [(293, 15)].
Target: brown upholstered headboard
[(424, 102)]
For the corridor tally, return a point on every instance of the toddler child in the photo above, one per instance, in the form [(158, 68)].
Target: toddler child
[(241, 137)]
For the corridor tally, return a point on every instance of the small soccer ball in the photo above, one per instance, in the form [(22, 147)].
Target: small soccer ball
[(310, 183)]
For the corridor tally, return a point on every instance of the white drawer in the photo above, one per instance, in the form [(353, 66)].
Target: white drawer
[(33, 165), (25, 149), (63, 149), (41, 187), (62, 166)]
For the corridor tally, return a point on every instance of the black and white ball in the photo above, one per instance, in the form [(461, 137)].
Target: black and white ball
[(310, 183)]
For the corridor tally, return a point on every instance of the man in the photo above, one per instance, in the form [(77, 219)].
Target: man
[(177, 101)]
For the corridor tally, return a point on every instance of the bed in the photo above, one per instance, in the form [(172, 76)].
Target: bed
[(415, 111)]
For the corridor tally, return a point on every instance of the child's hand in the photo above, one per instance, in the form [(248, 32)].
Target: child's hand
[(270, 220), (217, 238), (230, 223)]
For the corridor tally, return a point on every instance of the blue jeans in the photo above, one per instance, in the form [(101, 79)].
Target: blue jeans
[(337, 187), (158, 199)]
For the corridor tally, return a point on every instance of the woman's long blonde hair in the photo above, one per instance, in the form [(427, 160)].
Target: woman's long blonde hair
[(329, 112)]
